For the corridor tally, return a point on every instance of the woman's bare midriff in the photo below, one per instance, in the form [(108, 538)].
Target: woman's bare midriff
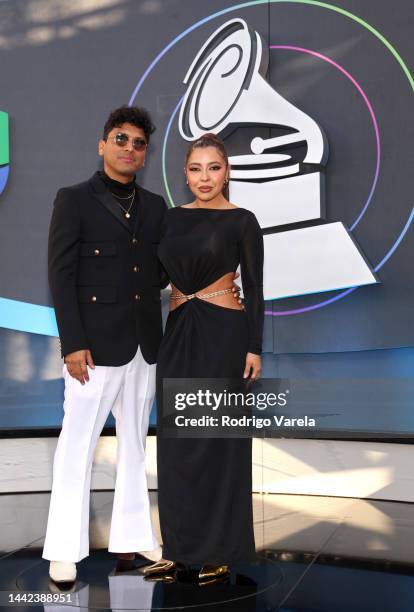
[(226, 301)]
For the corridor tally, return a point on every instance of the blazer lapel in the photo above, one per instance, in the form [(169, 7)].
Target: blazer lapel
[(103, 194), (141, 207)]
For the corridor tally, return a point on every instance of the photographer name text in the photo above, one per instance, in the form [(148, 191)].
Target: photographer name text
[(244, 421)]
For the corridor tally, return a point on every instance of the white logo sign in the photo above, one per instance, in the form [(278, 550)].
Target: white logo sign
[(226, 88)]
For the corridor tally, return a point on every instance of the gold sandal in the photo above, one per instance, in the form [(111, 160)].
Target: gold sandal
[(212, 572), (160, 567)]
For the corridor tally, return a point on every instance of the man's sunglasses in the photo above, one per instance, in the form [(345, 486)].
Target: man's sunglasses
[(122, 140)]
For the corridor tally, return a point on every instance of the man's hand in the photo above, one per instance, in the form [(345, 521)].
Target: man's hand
[(236, 290), (253, 366), (76, 364)]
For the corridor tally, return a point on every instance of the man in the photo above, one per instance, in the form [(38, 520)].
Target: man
[(105, 281)]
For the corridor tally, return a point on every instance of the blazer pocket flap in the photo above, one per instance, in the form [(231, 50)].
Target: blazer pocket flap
[(98, 295), (98, 249)]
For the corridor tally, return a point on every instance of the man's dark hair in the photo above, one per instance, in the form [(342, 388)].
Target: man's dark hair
[(139, 117)]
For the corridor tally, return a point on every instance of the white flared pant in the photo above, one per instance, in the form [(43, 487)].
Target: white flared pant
[(128, 391)]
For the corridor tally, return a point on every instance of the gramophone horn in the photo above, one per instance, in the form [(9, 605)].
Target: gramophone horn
[(221, 71)]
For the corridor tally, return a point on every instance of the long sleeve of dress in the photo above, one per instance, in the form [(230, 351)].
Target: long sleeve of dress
[(251, 265)]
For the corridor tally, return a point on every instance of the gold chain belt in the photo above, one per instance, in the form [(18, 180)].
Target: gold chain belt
[(181, 296)]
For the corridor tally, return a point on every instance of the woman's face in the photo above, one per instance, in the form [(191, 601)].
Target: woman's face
[(206, 173)]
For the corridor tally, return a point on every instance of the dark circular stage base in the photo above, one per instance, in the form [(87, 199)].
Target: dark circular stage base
[(100, 587)]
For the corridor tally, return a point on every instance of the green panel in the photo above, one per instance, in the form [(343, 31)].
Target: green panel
[(4, 138)]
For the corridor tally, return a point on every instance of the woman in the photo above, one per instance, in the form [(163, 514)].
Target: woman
[(205, 500)]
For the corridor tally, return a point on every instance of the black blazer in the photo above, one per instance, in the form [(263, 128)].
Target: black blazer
[(104, 275)]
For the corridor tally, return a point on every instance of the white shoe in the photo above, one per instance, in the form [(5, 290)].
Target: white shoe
[(62, 571), (152, 555)]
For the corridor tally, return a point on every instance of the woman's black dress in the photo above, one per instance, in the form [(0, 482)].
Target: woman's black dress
[(205, 485)]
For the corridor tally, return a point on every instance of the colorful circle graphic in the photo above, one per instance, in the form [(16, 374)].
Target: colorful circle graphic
[(348, 15)]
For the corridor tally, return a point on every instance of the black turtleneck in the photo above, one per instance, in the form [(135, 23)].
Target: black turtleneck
[(122, 190)]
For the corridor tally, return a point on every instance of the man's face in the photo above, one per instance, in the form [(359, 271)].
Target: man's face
[(121, 161)]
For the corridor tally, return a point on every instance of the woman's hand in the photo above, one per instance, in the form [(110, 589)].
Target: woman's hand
[(253, 366)]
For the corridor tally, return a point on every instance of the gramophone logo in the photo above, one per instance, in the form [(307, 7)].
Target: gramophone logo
[(4, 149), (226, 89)]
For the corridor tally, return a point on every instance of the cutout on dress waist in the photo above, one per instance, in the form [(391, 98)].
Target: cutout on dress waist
[(199, 294)]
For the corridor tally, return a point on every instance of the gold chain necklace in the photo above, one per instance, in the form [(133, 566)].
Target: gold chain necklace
[(127, 211), (127, 197)]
